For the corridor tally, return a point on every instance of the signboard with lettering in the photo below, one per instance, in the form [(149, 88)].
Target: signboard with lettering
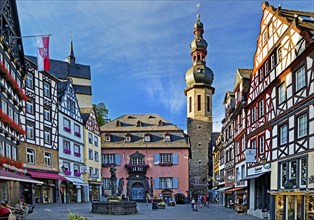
[(250, 155)]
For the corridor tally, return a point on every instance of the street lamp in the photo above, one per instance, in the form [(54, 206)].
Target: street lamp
[(264, 162)]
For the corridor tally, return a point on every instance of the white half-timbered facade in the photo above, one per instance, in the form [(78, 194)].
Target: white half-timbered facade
[(71, 151), (39, 147)]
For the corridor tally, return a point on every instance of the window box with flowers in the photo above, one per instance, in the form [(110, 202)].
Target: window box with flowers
[(77, 134), (165, 164), (77, 174), (67, 129), (67, 151), (78, 154), (67, 172)]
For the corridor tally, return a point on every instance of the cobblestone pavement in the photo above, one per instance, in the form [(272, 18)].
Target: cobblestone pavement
[(184, 212)]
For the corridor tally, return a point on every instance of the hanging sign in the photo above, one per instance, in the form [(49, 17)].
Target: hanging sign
[(250, 155)]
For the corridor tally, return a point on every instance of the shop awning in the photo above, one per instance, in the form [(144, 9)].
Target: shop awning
[(76, 181), (42, 175), (223, 189), (10, 176), (252, 176), (233, 189)]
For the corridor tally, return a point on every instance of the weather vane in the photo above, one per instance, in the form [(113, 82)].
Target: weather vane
[(198, 10)]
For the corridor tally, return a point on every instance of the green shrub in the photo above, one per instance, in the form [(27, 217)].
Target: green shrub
[(73, 216)]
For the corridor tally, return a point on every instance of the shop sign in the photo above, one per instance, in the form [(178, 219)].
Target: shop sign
[(258, 169), (250, 155), (311, 179)]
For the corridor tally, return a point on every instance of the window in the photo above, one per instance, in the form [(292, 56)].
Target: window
[(46, 89), (48, 159), (90, 154), (30, 156), (108, 159), (190, 104), (243, 143), (261, 74), (283, 134), (261, 144), (91, 171), (10, 112), (261, 108), (8, 151), (253, 114), (137, 160), (237, 177), (66, 166), (302, 126), (242, 171), (283, 174), (198, 102), (165, 158), (96, 156), (14, 156), (303, 175), (106, 183), (281, 93), (77, 151), (4, 106), (30, 130), (77, 130), (266, 67), (272, 61), (16, 118), (70, 105), (96, 141), (47, 115), (167, 138), (208, 103), (1, 149), (300, 78), (30, 106), (279, 54), (147, 138), (66, 145), (90, 138), (29, 80), (128, 138), (265, 37), (107, 138), (66, 125), (96, 174), (166, 183), (253, 143), (47, 135)]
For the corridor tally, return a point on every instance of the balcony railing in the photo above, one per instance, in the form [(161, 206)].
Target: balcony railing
[(136, 168)]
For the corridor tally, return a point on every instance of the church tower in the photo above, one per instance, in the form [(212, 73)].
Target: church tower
[(199, 79)]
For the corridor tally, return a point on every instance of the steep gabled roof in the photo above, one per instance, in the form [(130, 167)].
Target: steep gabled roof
[(242, 74)]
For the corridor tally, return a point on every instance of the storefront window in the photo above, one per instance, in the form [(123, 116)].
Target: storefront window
[(309, 207), (303, 172), (294, 207), (279, 207), (283, 174), (4, 191)]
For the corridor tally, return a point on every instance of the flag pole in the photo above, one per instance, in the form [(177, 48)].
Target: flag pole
[(12, 38)]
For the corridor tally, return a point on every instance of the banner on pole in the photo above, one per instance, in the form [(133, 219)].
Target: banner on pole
[(43, 63)]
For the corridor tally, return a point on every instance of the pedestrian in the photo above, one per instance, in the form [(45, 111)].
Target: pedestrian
[(193, 204), (207, 201)]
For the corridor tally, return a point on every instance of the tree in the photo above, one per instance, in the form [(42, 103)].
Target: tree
[(102, 113)]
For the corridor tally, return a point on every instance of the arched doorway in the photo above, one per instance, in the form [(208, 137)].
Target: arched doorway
[(180, 198), (138, 192)]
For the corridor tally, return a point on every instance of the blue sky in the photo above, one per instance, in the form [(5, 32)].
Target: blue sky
[(139, 50)]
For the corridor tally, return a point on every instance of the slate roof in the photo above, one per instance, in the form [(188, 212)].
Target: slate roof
[(85, 113), (62, 69), (149, 125)]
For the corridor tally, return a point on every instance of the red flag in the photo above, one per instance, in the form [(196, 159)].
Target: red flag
[(42, 43)]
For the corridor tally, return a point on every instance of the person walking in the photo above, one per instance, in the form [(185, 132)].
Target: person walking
[(193, 204)]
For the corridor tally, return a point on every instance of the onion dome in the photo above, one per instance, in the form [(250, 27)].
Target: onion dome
[(199, 75)]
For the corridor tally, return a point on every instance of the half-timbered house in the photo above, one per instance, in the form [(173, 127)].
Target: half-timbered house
[(286, 44), (241, 87), (92, 152), (12, 98), (228, 146), (39, 147), (71, 144)]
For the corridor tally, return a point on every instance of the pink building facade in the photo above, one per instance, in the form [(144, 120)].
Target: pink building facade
[(150, 155)]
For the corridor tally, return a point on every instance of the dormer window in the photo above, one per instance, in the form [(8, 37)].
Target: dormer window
[(167, 137), (118, 123), (147, 137), (160, 123), (139, 123), (128, 138), (107, 138)]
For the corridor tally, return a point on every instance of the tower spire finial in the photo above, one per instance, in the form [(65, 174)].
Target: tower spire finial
[(71, 57), (198, 10)]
